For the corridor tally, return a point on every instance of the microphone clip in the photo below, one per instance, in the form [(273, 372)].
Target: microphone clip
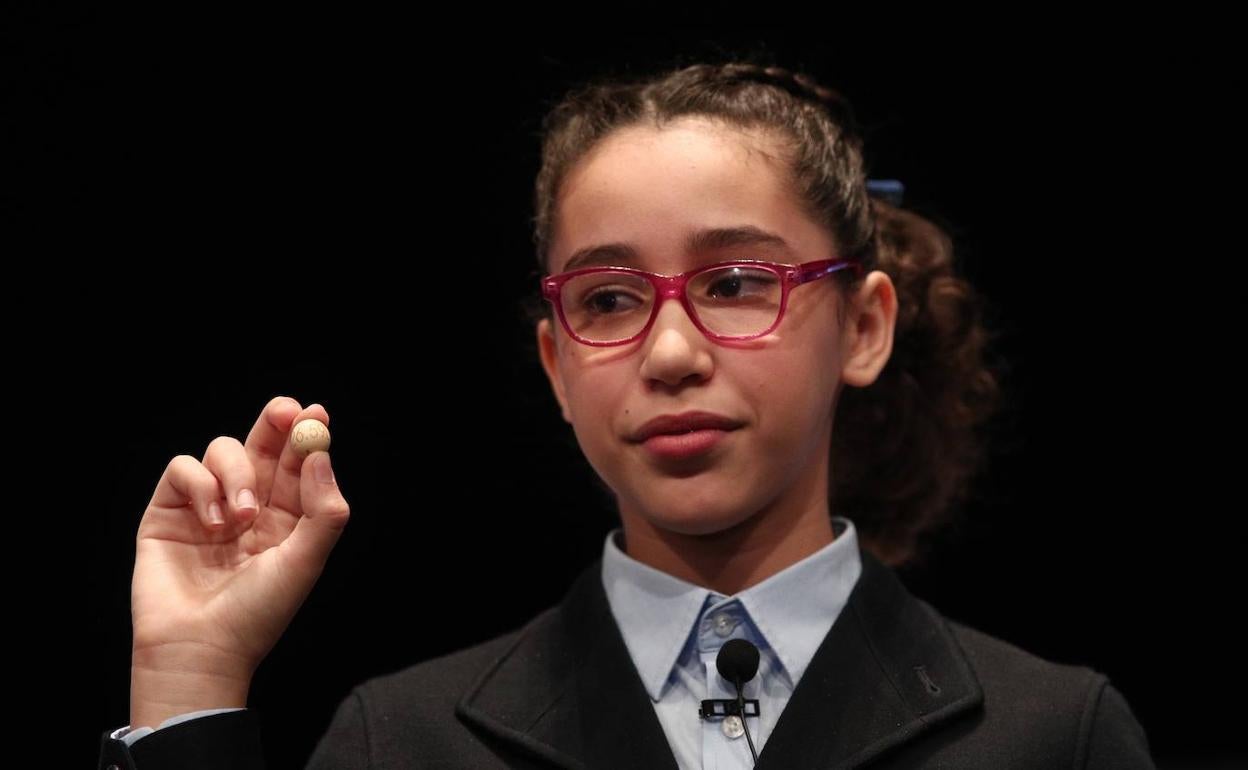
[(725, 707)]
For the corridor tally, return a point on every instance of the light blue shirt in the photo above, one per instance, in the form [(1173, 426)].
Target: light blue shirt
[(673, 630)]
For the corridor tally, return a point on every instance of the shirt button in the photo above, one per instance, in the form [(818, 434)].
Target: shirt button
[(723, 624), (732, 726)]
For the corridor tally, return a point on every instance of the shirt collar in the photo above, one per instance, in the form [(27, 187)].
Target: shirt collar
[(793, 609)]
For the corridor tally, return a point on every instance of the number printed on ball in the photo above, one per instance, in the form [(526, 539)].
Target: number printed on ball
[(309, 436)]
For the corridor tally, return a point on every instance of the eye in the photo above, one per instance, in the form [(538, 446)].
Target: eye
[(739, 283), (604, 301)]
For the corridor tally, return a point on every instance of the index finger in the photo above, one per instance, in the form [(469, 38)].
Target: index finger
[(266, 440)]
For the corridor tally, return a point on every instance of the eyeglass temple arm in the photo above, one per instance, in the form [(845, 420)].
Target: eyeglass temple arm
[(810, 273)]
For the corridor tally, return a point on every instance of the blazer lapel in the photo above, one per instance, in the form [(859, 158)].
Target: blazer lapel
[(888, 670), (568, 691)]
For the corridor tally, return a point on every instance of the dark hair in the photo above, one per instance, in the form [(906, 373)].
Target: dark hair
[(904, 449)]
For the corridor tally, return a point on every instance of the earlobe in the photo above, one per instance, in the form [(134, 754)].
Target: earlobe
[(548, 351)]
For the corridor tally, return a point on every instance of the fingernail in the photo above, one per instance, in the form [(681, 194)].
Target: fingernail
[(214, 513), (323, 470), (246, 500)]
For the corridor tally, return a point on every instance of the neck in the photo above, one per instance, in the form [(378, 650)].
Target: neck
[(733, 559)]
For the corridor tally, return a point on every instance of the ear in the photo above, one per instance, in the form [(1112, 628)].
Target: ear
[(549, 352), (870, 323)]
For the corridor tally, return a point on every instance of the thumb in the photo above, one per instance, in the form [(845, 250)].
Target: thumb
[(325, 511)]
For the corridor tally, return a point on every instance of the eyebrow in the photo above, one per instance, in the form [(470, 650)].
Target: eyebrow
[(698, 242)]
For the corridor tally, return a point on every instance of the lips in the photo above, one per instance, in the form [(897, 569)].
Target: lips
[(684, 423)]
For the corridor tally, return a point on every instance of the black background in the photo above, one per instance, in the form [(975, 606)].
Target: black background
[(336, 208)]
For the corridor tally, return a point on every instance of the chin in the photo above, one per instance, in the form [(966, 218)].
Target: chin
[(699, 522)]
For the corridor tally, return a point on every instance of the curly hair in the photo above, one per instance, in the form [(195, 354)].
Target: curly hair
[(906, 448)]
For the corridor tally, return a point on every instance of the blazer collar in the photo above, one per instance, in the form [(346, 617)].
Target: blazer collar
[(567, 690)]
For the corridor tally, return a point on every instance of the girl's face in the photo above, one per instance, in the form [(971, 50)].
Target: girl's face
[(651, 189)]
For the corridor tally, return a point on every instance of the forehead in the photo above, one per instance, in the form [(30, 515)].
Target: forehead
[(654, 188)]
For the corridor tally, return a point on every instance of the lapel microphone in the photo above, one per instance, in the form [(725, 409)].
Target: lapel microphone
[(737, 663)]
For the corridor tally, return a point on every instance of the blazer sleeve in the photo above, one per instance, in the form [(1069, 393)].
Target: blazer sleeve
[(231, 741), (1114, 737), (226, 740)]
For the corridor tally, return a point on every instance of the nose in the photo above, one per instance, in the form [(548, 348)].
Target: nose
[(675, 346)]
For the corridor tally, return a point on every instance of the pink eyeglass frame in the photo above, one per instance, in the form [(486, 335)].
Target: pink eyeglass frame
[(673, 287)]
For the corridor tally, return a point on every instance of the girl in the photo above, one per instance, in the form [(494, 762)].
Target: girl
[(776, 438)]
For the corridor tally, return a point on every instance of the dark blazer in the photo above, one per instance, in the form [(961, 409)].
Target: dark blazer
[(893, 685)]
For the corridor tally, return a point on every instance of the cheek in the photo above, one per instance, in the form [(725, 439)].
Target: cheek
[(792, 399), (593, 398)]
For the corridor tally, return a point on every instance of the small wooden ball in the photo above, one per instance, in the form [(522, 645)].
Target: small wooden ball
[(309, 436)]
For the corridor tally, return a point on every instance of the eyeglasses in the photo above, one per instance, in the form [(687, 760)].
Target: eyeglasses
[(737, 300)]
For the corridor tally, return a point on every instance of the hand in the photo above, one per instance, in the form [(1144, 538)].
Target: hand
[(209, 600)]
